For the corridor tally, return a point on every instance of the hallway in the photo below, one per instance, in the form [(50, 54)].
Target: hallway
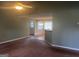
[(31, 47)]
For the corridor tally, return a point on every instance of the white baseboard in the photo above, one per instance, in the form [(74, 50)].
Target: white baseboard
[(70, 48), (13, 39)]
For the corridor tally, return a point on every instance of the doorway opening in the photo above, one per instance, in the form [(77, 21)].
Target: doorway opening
[(40, 25)]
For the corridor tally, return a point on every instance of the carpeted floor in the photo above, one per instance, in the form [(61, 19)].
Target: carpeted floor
[(31, 47)]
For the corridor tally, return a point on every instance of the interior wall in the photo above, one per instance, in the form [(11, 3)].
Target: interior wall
[(12, 25), (66, 28)]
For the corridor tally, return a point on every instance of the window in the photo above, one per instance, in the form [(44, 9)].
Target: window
[(40, 25), (31, 24), (48, 25)]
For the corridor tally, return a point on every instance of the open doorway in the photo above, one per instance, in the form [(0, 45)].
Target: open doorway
[(39, 30), (40, 25)]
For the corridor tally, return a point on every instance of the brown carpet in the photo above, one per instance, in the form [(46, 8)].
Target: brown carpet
[(31, 48)]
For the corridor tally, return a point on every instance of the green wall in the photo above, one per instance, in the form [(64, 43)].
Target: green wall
[(13, 25)]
